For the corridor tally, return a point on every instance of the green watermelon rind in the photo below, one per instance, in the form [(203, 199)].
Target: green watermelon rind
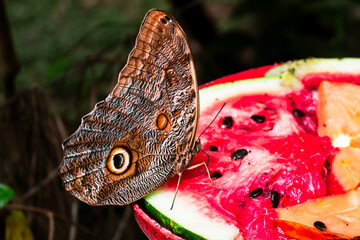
[(300, 68), (188, 216), (269, 85), (168, 223)]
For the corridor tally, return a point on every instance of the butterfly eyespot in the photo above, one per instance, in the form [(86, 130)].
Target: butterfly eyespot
[(167, 18), (161, 121), (119, 160)]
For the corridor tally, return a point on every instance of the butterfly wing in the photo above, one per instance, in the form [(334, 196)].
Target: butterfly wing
[(131, 142)]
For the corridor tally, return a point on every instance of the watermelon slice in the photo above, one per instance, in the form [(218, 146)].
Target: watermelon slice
[(265, 154)]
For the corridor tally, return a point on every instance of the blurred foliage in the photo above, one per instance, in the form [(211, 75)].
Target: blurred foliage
[(17, 227), (257, 33), (6, 194), (67, 45), (74, 49), (53, 36)]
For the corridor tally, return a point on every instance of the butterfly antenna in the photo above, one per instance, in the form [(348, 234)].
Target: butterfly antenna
[(176, 191), (212, 120), (208, 157)]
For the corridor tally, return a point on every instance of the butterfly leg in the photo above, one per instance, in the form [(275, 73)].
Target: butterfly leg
[(207, 171), (193, 167), (176, 191)]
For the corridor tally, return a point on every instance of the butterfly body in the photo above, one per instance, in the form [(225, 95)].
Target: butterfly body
[(144, 132)]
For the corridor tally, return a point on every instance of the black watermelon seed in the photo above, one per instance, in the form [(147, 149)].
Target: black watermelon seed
[(258, 118), (228, 122), (239, 154), (275, 198), (255, 193), (216, 175), (213, 148), (298, 112), (320, 225)]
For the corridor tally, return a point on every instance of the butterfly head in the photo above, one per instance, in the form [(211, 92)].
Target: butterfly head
[(186, 155)]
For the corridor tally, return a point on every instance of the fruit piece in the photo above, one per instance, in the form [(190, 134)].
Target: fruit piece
[(346, 168), (302, 232), (339, 213), (339, 111), (355, 142)]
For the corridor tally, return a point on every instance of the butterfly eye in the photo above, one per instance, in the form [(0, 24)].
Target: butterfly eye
[(118, 161), (165, 20)]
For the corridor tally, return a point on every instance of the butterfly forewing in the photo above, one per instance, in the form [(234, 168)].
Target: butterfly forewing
[(136, 139)]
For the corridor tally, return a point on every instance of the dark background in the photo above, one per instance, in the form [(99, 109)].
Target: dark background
[(59, 57)]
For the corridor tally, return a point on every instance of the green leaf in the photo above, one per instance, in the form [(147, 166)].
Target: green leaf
[(6, 194), (17, 227)]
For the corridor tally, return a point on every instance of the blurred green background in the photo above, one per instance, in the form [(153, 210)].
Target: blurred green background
[(67, 55)]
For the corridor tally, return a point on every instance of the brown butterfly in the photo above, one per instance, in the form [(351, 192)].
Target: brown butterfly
[(144, 132)]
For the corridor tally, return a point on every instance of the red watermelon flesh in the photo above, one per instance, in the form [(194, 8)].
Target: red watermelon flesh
[(284, 157)]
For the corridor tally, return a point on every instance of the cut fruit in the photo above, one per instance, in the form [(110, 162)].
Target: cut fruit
[(302, 232), (338, 111), (339, 214), (346, 168)]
